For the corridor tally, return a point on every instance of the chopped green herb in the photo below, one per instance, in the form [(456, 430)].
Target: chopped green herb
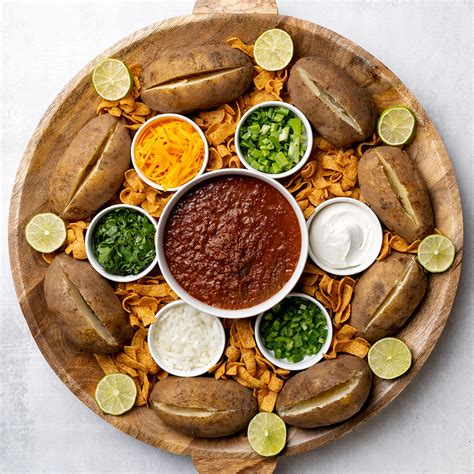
[(273, 139), (124, 242), (293, 329)]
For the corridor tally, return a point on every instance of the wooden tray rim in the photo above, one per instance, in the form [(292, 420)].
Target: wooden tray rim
[(14, 237)]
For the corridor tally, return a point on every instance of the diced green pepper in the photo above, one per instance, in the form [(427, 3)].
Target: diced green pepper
[(293, 329)]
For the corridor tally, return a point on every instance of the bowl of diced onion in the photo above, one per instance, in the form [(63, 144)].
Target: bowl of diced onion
[(185, 341), (274, 138)]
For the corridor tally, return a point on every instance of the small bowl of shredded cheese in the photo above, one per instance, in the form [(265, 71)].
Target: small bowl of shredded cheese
[(185, 341), (168, 151)]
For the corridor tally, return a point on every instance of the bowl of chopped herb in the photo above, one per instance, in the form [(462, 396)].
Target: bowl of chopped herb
[(274, 138), (120, 243), (295, 333)]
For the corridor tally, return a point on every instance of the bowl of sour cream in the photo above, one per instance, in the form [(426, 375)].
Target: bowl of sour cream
[(345, 236)]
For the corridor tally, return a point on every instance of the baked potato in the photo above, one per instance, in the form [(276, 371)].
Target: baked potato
[(339, 109), (85, 306), (196, 79), (91, 169), (326, 393), (386, 295), (203, 407), (393, 188)]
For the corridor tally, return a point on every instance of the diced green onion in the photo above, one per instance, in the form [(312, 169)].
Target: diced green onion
[(276, 134)]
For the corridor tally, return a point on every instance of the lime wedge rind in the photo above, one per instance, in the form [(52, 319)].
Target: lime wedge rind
[(267, 434), (396, 125), (389, 358), (46, 232), (273, 50), (112, 79), (436, 253), (115, 394)]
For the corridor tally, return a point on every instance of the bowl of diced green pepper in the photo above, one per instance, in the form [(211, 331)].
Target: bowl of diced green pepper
[(294, 334), (274, 138)]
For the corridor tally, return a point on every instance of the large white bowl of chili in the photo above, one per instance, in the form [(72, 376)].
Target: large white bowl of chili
[(232, 243)]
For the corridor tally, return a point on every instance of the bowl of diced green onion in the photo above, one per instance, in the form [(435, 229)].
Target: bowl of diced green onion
[(274, 138), (294, 334)]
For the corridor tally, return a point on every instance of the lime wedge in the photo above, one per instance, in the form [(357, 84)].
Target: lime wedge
[(116, 393), (112, 79), (273, 50), (46, 232), (396, 125), (267, 434), (436, 253), (389, 358)]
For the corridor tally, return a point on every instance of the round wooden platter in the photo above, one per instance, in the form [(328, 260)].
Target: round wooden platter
[(213, 22)]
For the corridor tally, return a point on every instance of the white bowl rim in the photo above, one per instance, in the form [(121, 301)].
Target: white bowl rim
[(163, 365), (308, 361), (377, 242), (232, 313), (90, 252), (309, 134), (156, 118)]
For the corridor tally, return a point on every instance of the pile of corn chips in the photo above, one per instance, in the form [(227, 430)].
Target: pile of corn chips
[(137, 193), (395, 242), (330, 172), (143, 298), (129, 108), (75, 242), (135, 360), (335, 294), (344, 341), (244, 363)]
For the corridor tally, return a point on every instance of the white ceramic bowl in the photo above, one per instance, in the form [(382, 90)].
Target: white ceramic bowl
[(163, 363), (374, 250), (308, 361), (90, 250), (232, 313), (157, 119), (309, 135)]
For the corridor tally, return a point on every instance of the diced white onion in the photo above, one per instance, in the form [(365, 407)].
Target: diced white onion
[(186, 338)]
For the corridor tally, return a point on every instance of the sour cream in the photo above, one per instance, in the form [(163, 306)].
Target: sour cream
[(345, 236)]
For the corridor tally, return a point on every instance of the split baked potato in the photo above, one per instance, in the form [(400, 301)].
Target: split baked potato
[(386, 295), (392, 186), (196, 78), (85, 306), (91, 169), (339, 109), (203, 407), (326, 393)]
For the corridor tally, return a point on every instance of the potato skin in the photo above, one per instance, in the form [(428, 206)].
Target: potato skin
[(336, 82), (77, 188), (233, 405), (318, 379), (373, 288), (384, 201), (99, 297), (183, 64)]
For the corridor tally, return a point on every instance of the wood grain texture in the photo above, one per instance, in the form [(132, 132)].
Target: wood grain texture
[(75, 105), (215, 465), (235, 6)]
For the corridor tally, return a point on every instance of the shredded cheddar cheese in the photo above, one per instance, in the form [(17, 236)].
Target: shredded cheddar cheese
[(169, 152)]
